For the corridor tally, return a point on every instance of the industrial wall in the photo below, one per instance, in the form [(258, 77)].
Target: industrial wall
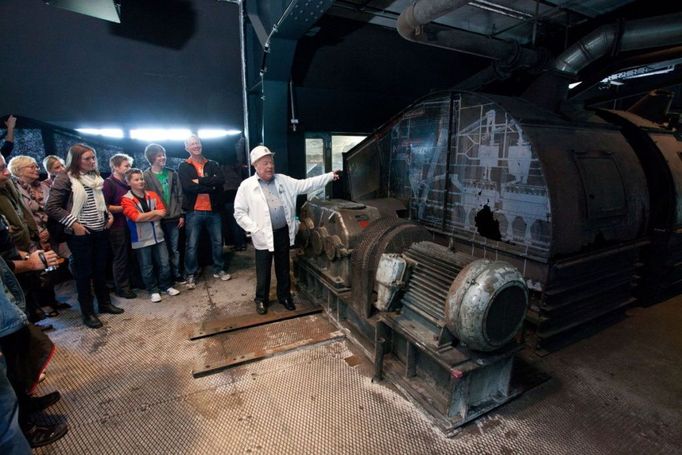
[(352, 77), (68, 68)]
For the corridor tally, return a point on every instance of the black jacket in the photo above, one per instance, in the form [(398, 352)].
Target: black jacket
[(211, 183)]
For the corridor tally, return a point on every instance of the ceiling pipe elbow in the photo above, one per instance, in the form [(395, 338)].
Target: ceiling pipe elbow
[(659, 31), (421, 13), (411, 26), (586, 50), (507, 56), (407, 25)]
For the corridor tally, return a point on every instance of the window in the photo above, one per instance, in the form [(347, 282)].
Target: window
[(314, 162), (317, 154)]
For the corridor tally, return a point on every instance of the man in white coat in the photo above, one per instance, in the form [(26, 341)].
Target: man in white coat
[(265, 206)]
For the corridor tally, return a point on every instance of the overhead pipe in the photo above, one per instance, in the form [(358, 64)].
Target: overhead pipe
[(423, 12), (412, 25), (612, 39), (550, 90)]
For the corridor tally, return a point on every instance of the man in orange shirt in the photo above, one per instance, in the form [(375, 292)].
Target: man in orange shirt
[(202, 187)]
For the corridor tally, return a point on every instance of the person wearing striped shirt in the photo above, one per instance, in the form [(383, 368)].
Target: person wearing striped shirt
[(76, 201)]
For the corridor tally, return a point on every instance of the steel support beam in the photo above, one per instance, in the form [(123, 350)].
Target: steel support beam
[(272, 30)]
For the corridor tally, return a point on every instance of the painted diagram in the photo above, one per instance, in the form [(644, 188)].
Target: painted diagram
[(494, 184)]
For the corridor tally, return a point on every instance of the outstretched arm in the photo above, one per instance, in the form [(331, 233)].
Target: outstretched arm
[(313, 183), (8, 145)]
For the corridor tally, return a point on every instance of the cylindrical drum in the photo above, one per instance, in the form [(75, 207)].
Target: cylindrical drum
[(486, 304)]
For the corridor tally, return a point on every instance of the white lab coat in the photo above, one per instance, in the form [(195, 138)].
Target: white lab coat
[(251, 209)]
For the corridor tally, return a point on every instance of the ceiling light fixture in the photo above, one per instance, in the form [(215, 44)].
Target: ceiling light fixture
[(106, 132), (213, 133), (160, 134)]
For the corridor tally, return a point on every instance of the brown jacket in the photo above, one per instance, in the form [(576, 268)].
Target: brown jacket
[(22, 226)]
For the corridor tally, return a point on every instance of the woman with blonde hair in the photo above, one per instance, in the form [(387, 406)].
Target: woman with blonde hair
[(76, 201), (25, 173), (53, 166)]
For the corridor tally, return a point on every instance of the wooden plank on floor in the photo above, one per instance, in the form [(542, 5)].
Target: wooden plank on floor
[(215, 327), (205, 368)]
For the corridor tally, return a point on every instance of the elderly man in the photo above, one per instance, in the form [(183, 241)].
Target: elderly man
[(265, 206), (202, 182)]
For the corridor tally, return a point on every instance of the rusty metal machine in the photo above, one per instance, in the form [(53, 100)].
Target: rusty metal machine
[(659, 149), (439, 324), (501, 204), (330, 230), (448, 334), (566, 201)]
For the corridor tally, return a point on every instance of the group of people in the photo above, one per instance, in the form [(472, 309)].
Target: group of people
[(77, 215), (138, 211)]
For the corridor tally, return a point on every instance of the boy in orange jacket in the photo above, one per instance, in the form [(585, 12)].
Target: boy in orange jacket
[(144, 210)]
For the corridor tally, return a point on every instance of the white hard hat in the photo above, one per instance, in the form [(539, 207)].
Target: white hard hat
[(259, 152)]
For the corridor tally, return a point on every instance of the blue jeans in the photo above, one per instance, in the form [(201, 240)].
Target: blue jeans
[(12, 302), (172, 234), (12, 440), (194, 221), (149, 257)]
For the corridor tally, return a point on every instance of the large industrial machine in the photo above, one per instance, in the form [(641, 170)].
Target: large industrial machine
[(467, 214), (659, 149), (586, 208), (439, 324)]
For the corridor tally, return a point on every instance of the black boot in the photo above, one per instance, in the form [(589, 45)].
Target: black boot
[(110, 308), (126, 294), (42, 435), (92, 321), (36, 404), (105, 305), (288, 304)]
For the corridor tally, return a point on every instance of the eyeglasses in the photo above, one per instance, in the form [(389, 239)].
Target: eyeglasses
[(33, 166)]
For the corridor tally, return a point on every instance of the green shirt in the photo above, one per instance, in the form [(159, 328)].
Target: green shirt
[(165, 186)]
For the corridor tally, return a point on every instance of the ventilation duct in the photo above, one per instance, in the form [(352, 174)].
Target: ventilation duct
[(550, 90), (612, 39), (411, 25)]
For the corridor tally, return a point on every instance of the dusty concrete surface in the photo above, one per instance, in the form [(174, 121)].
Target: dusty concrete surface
[(128, 389)]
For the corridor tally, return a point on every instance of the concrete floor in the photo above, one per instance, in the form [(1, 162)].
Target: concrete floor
[(127, 389)]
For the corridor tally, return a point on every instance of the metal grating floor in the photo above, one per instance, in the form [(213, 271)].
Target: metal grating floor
[(128, 389)]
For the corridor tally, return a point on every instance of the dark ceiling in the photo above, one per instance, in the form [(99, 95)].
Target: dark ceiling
[(547, 25), (170, 63), (178, 62)]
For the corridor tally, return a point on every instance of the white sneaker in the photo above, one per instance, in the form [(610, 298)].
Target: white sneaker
[(191, 282), (172, 291), (156, 297), (222, 275)]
